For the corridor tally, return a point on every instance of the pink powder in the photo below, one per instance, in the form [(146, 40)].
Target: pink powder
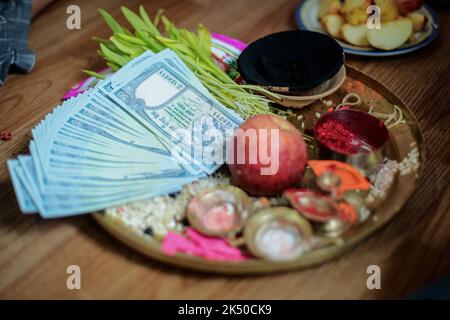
[(196, 244), (220, 218)]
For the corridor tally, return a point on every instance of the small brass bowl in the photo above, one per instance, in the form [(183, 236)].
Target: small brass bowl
[(208, 205), (326, 219), (333, 228), (325, 208), (278, 234), (369, 129)]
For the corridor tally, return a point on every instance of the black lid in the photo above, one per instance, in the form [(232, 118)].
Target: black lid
[(291, 61)]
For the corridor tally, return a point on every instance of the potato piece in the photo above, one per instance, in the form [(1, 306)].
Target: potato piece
[(355, 35), (392, 35), (388, 9), (355, 11), (413, 37), (328, 7), (418, 19), (356, 16), (349, 5), (332, 23)]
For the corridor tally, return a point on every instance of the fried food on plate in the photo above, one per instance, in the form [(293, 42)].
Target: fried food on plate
[(346, 19), (328, 7), (388, 9), (418, 19), (356, 16)]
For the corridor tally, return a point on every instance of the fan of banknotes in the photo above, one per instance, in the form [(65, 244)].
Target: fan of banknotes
[(145, 131)]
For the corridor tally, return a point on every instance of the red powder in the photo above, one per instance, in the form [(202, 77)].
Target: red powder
[(345, 107), (5, 136), (338, 138)]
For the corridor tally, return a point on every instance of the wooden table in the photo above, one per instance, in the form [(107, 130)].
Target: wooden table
[(412, 250)]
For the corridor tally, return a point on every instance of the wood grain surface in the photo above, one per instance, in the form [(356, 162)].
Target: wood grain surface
[(412, 251)]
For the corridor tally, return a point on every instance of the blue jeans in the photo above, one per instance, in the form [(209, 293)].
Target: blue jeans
[(15, 17)]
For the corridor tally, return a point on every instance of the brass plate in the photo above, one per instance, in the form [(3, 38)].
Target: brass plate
[(398, 146)]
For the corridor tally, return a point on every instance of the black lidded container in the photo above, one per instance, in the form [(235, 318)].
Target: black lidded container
[(291, 61)]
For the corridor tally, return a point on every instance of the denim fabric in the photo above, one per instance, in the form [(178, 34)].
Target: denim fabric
[(15, 17)]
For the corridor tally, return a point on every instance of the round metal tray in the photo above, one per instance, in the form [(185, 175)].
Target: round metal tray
[(403, 138)]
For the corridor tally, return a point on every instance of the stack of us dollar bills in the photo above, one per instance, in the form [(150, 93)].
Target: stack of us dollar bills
[(145, 131)]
